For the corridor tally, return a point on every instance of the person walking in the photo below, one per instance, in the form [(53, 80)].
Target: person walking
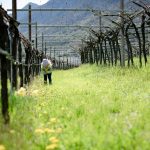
[(46, 67)]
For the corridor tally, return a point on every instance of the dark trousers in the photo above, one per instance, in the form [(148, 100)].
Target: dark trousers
[(49, 76)]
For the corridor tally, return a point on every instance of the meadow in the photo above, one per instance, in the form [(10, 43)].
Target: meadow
[(86, 108)]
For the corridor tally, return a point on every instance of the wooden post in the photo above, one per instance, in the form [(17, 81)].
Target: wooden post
[(11, 68), (42, 42), (20, 66), (14, 7), (82, 53), (54, 53), (4, 89), (148, 51), (70, 62), (29, 27), (100, 22), (36, 41), (63, 61), (143, 37), (67, 62), (3, 62), (14, 47), (45, 49), (122, 34), (54, 59), (98, 52), (26, 79), (50, 53), (59, 59)]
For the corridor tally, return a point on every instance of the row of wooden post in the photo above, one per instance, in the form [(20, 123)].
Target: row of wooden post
[(14, 44)]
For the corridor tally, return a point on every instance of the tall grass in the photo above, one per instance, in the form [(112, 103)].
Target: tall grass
[(87, 108)]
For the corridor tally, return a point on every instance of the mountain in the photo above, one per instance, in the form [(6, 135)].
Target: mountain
[(70, 18), (22, 16)]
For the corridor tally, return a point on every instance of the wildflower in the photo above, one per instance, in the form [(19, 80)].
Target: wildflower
[(62, 108), (40, 131), (53, 120), (43, 104), (2, 147), (35, 92), (12, 131), (51, 147), (49, 130), (45, 112), (21, 92), (59, 130), (53, 140)]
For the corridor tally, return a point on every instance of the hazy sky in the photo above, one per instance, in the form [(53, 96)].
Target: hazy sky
[(20, 3)]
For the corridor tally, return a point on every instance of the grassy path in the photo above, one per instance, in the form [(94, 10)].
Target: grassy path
[(88, 108)]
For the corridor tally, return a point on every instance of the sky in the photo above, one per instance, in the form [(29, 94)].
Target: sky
[(20, 3)]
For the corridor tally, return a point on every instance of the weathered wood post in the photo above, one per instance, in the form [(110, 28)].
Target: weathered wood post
[(122, 34), (67, 65), (37, 62), (111, 52), (20, 65), (63, 61), (54, 59), (14, 46), (100, 22), (42, 42), (70, 62), (59, 60), (4, 89), (143, 37), (36, 40), (45, 49), (26, 65), (50, 53), (29, 26)]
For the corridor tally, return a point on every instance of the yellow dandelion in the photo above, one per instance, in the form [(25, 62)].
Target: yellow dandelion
[(40, 131), (62, 108), (21, 92), (2, 147), (53, 140), (12, 131), (51, 147), (42, 104), (47, 130), (35, 92), (53, 120), (58, 130), (44, 112)]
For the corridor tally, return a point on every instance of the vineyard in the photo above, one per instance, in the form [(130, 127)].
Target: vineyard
[(90, 107), (100, 93)]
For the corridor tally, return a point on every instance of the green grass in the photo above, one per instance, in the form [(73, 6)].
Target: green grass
[(97, 108)]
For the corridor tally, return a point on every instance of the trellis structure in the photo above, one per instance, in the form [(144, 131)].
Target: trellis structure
[(28, 66), (57, 26), (105, 46)]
